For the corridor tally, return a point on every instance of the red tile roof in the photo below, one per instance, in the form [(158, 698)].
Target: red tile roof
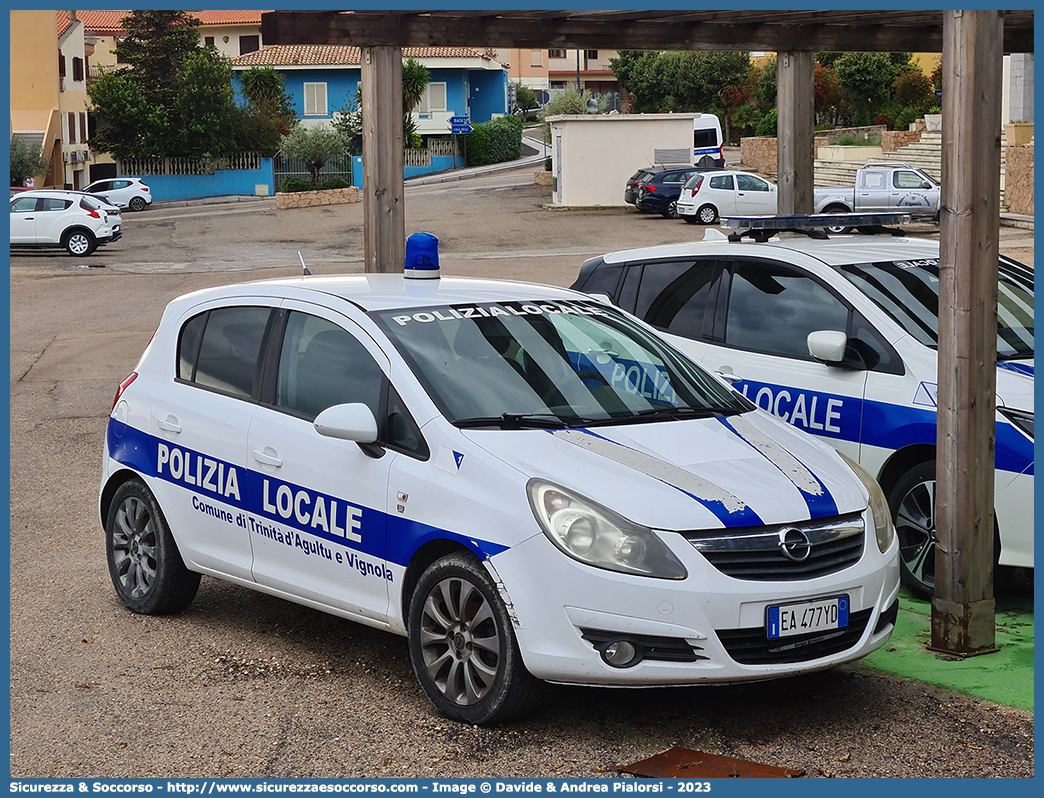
[(103, 23), (64, 23), (228, 17), (339, 55), (108, 23)]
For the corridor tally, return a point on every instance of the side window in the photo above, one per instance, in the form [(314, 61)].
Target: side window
[(750, 183), (321, 365), (55, 204), (721, 181), (773, 308), (677, 296), (228, 349), (704, 138), (904, 179), (23, 205), (873, 180)]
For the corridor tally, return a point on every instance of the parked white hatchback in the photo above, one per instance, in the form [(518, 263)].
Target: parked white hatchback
[(708, 195), (73, 220), (126, 192), (527, 483)]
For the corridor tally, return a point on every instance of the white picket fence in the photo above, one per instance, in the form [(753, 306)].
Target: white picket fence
[(146, 167)]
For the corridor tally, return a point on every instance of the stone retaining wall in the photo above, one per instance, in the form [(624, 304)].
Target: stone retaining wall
[(892, 140), (311, 199), (1018, 179), (759, 153)]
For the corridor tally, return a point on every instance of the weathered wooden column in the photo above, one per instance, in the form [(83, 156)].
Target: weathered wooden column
[(795, 132), (384, 217), (963, 610)]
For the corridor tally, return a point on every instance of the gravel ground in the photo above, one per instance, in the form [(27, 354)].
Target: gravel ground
[(245, 685)]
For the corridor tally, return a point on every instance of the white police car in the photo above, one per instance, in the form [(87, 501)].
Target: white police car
[(839, 337), (527, 483)]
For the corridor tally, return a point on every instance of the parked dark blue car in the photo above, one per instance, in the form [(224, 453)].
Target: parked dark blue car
[(660, 192)]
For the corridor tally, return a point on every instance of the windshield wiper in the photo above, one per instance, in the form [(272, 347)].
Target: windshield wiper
[(710, 411), (514, 421)]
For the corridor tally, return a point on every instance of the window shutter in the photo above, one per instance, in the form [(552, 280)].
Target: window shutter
[(438, 96)]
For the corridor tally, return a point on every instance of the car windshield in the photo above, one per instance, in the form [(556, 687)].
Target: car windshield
[(908, 291), (550, 365)]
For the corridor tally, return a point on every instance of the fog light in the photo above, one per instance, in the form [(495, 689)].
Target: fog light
[(622, 654)]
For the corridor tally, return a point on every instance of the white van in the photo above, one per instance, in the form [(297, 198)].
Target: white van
[(707, 140)]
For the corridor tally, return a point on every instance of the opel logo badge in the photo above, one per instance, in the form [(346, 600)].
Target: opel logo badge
[(794, 544)]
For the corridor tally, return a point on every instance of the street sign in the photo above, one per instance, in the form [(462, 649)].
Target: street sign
[(460, 129), (459, 120)]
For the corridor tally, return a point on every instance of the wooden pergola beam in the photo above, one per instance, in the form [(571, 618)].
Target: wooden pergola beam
[(823, 30)]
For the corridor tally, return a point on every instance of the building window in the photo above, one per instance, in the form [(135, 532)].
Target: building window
[(83, 127), (536, 58), (249, 44), (72, 127), (556, 54), (433, 100), (77, 68), (315, 99), (208, 41), (61, 64), (591, 55)]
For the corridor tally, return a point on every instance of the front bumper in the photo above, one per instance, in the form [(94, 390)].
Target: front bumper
[(706, 628)]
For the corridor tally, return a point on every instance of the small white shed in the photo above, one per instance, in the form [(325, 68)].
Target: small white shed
[(593, 155)]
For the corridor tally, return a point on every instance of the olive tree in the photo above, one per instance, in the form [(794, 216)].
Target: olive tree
[(314, 146)]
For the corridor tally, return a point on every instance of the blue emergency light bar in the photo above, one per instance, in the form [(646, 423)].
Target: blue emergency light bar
[(422, 256)]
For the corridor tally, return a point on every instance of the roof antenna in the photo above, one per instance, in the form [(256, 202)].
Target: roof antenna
[(305, 268)]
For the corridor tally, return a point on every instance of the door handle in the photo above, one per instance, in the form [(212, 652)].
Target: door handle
[(729, 376), (169, 424), (268, 459)]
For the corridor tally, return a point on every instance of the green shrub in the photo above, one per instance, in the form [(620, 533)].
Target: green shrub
[(334, 182), (547, 164), (495, 142), (767, 125), (291, 184)]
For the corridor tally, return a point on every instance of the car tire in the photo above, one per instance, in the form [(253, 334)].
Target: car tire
[(145, 565), (137, 204), (912, 502), (463, 647), (79, 243), (707, 214), (670, 210), (837, 229)]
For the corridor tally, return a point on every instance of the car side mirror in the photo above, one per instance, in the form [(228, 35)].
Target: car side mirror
[(926, 184), (349, 422), (828, 346)]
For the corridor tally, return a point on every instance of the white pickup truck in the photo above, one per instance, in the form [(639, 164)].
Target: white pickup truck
[(883, 187)]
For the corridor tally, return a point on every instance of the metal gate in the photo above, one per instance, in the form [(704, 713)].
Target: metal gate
[(340, 166)]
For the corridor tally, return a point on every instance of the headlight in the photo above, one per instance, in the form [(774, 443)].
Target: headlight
[(878, 505), (1020, 418), (594, 535)]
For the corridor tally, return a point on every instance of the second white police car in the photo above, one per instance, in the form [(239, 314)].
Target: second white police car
[(839, 337), (526, 482)]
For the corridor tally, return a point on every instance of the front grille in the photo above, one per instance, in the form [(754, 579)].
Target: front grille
[(752, 647), (665, 649), (757, 553)]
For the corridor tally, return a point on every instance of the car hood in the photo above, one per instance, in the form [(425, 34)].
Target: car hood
[(735, 471), (1015, 384)]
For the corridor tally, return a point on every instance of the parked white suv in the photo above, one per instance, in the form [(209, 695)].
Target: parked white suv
[(126, 192), (53, 218)]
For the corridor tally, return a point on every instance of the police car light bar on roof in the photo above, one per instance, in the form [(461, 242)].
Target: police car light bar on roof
[(761, 228), (422, 256)]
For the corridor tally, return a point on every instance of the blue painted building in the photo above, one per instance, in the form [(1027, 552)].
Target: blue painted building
[(322, 79)]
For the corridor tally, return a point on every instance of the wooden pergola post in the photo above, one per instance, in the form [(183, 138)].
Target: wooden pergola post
[(795, 142), (963, 610), (384, 234)]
